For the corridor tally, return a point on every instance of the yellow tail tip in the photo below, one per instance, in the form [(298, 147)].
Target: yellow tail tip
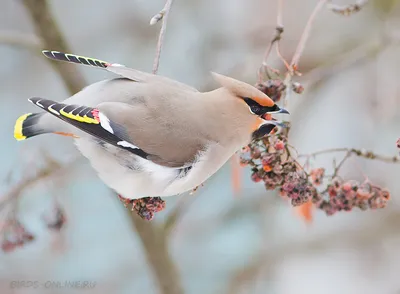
[(18, 135)]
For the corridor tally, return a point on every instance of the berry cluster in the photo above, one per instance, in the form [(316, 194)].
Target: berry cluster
[(14, 235), (345, 195), (271, 162), (273, 88)]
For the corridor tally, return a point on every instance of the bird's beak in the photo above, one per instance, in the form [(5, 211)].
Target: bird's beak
[(277, 123), (282, 110), (267, 115)]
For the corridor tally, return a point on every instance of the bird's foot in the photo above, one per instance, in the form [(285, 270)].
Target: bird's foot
[(194, 190), (125, 201), (144, 207)]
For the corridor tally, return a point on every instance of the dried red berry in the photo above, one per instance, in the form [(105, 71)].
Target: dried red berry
[(255, 177), (279, 145), (297, 88), (255, 153), (317, 176)]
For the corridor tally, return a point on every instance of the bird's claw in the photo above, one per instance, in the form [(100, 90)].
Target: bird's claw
[(125, 201)]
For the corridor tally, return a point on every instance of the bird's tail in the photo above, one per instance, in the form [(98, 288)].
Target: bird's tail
[(28, 125)]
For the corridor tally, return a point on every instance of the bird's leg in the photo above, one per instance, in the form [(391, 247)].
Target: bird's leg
[(194, 190), (147, 206), (125, 201)]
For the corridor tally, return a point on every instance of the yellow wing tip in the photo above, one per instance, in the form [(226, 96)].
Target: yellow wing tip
[(18, 135)]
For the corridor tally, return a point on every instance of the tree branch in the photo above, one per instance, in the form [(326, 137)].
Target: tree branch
[(155, 246), (358, 152), (306, 33), (347, 9), (47, 28), (51, 168), (162, 15), (31, 42), (279, 29)]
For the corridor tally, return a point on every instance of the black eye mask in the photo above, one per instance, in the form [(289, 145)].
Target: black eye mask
[(258, 109)]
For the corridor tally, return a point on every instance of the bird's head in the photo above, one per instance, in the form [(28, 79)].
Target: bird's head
[(254, 103)]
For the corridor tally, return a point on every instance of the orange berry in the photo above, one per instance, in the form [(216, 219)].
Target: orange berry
[(267, 168)]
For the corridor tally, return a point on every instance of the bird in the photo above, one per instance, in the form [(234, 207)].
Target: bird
[(147, 135)]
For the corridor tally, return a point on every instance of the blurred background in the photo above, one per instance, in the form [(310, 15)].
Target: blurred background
[(222, 242)]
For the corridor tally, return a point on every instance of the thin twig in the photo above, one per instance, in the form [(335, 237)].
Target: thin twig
[(276, 37), (51, 169), (305, 35), (292, 69), (47, 28), (357, 152), (246, 275), (347, 10), (339, 166), (162, 15), (18, 39), (325, 151)]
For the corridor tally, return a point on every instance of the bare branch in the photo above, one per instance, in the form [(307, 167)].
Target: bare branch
[(48, 30), (347, 10), (162, 15), (305, 35), (247, 275), (51, 169), (339, 166), (357, 152), (12, 38), (155, 247), (279, 29)]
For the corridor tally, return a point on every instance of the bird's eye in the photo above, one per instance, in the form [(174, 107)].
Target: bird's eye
[(254, 107)]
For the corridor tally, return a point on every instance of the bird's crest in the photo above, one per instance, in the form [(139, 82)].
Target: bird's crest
[(242, 89)]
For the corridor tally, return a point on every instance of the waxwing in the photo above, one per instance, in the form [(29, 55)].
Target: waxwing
[(147, 135)]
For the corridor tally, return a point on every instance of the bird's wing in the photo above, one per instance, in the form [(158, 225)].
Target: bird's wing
[(126, 72), (133, 128)]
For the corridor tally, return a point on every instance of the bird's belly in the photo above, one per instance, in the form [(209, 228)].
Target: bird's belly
[(126, 177), (150, 179)]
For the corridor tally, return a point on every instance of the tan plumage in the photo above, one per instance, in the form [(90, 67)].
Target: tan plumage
[(148, 135)]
